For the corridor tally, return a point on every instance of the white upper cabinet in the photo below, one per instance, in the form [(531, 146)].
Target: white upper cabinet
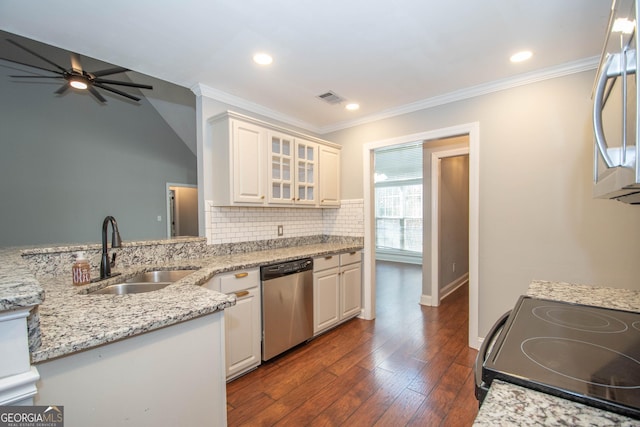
[(306, 172), (248, 163), (258, 164), (329, 179), (281, 173)]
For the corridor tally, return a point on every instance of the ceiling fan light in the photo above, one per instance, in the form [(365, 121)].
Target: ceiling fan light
[(78, 84)]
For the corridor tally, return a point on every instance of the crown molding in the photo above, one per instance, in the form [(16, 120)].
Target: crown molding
[(471, 92), (235, 101), (459, 95)]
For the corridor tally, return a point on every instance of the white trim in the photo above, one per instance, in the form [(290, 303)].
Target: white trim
[(451, 287), (425, 300), (561, 70), (224, 97), (168, 213), (436, 159), (471, 92), (20, 388), (473, 130)]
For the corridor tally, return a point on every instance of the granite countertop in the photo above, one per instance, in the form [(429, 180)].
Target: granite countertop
[(18, 287), (71, 321), (508, 404)]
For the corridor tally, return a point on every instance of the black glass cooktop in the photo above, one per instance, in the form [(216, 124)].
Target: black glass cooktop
[(583, 353)]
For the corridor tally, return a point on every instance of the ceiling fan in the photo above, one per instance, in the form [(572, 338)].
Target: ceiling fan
[(78, 78)]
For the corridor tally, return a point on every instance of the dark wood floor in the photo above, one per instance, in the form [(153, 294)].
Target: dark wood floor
[(411, 366)]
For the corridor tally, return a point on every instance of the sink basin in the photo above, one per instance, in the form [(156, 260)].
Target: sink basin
[(131, 288), (144, 282), (159, 276)]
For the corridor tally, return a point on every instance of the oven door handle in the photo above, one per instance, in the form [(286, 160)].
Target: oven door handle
[(482, 353)]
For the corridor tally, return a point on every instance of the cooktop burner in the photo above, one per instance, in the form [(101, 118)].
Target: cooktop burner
[(582, 353)]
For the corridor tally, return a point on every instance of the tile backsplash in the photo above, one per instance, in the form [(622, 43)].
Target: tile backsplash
[(239, 224)]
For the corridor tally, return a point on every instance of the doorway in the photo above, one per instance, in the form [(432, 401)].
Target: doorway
[(369, 278), (182, 210)]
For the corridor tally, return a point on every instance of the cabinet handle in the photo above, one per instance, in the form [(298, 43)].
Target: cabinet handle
[(241, 294), (241, 275), (352, 253), (328, 257)]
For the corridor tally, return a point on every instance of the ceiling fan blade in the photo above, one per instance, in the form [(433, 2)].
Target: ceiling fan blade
[(32, 66), (119, 92), (117, 82), (62, 89), (75, 62), (109, 71), (95, 93), (36, 55), (38, 77)]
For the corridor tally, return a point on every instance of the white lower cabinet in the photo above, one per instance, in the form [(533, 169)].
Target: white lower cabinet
[(243, 331), (337, 289)]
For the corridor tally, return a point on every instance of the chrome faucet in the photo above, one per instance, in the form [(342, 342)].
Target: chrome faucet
[(116, 242)]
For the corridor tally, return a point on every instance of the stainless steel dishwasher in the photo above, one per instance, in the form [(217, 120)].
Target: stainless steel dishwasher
[(287, 305)]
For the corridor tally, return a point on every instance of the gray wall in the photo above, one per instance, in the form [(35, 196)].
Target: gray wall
[(454, 251), (67, 162), (537, 217), (454, 219)]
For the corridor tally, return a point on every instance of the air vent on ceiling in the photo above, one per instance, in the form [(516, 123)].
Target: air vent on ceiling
[(331, 97)]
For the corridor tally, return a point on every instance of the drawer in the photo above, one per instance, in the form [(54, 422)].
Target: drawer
[(323, 263), (350, 257), (239, 280)]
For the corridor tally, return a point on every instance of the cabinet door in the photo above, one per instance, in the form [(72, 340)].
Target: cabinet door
[(242, 333), (248, 163), (306, 172), (351, 290), (329, 176), (326, 294), (281, 172)]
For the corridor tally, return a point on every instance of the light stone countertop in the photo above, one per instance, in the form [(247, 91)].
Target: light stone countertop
[(71, 321), (511, 405)]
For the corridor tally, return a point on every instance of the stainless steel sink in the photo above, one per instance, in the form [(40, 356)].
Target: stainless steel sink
[(159, 276), (144, 282), (131, 288)]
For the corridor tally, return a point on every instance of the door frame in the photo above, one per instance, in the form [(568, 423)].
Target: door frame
[(436, 158), (369, 277), (168, 195)]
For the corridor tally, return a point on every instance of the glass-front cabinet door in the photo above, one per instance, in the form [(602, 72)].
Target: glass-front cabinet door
[(306, 172), (281, 153)]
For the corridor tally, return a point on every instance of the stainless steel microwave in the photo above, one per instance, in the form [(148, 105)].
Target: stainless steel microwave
[(615, 109)]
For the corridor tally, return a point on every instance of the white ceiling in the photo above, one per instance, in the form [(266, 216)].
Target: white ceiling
[(388, 56)]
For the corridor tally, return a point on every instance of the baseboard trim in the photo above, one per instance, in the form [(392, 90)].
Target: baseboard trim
[(451, 287), (425, 300)]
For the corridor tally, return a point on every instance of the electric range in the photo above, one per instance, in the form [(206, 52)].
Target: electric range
[(587, 354)]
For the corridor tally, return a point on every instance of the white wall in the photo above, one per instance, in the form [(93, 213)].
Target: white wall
[(537, 217)]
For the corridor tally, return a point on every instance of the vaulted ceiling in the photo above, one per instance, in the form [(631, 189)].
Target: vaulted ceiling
[(388, 56)]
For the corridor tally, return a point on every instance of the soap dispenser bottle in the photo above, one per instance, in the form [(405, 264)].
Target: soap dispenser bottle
[(81, 270)]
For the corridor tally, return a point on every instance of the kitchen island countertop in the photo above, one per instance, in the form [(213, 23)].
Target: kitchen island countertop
[(72, 321), (508, 404)]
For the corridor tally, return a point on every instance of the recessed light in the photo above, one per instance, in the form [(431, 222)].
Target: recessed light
[(352, 106), (521, 56), (262, 59)]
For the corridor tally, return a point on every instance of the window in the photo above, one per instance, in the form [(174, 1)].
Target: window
[(398, 199)]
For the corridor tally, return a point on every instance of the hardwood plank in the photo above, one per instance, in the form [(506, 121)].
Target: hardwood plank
[(410, 366)]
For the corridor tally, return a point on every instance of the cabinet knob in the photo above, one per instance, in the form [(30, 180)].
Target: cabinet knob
[(241, 275), (261, 197)]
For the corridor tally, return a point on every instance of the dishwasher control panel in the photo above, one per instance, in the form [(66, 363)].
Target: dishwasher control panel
[(285, 268)]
